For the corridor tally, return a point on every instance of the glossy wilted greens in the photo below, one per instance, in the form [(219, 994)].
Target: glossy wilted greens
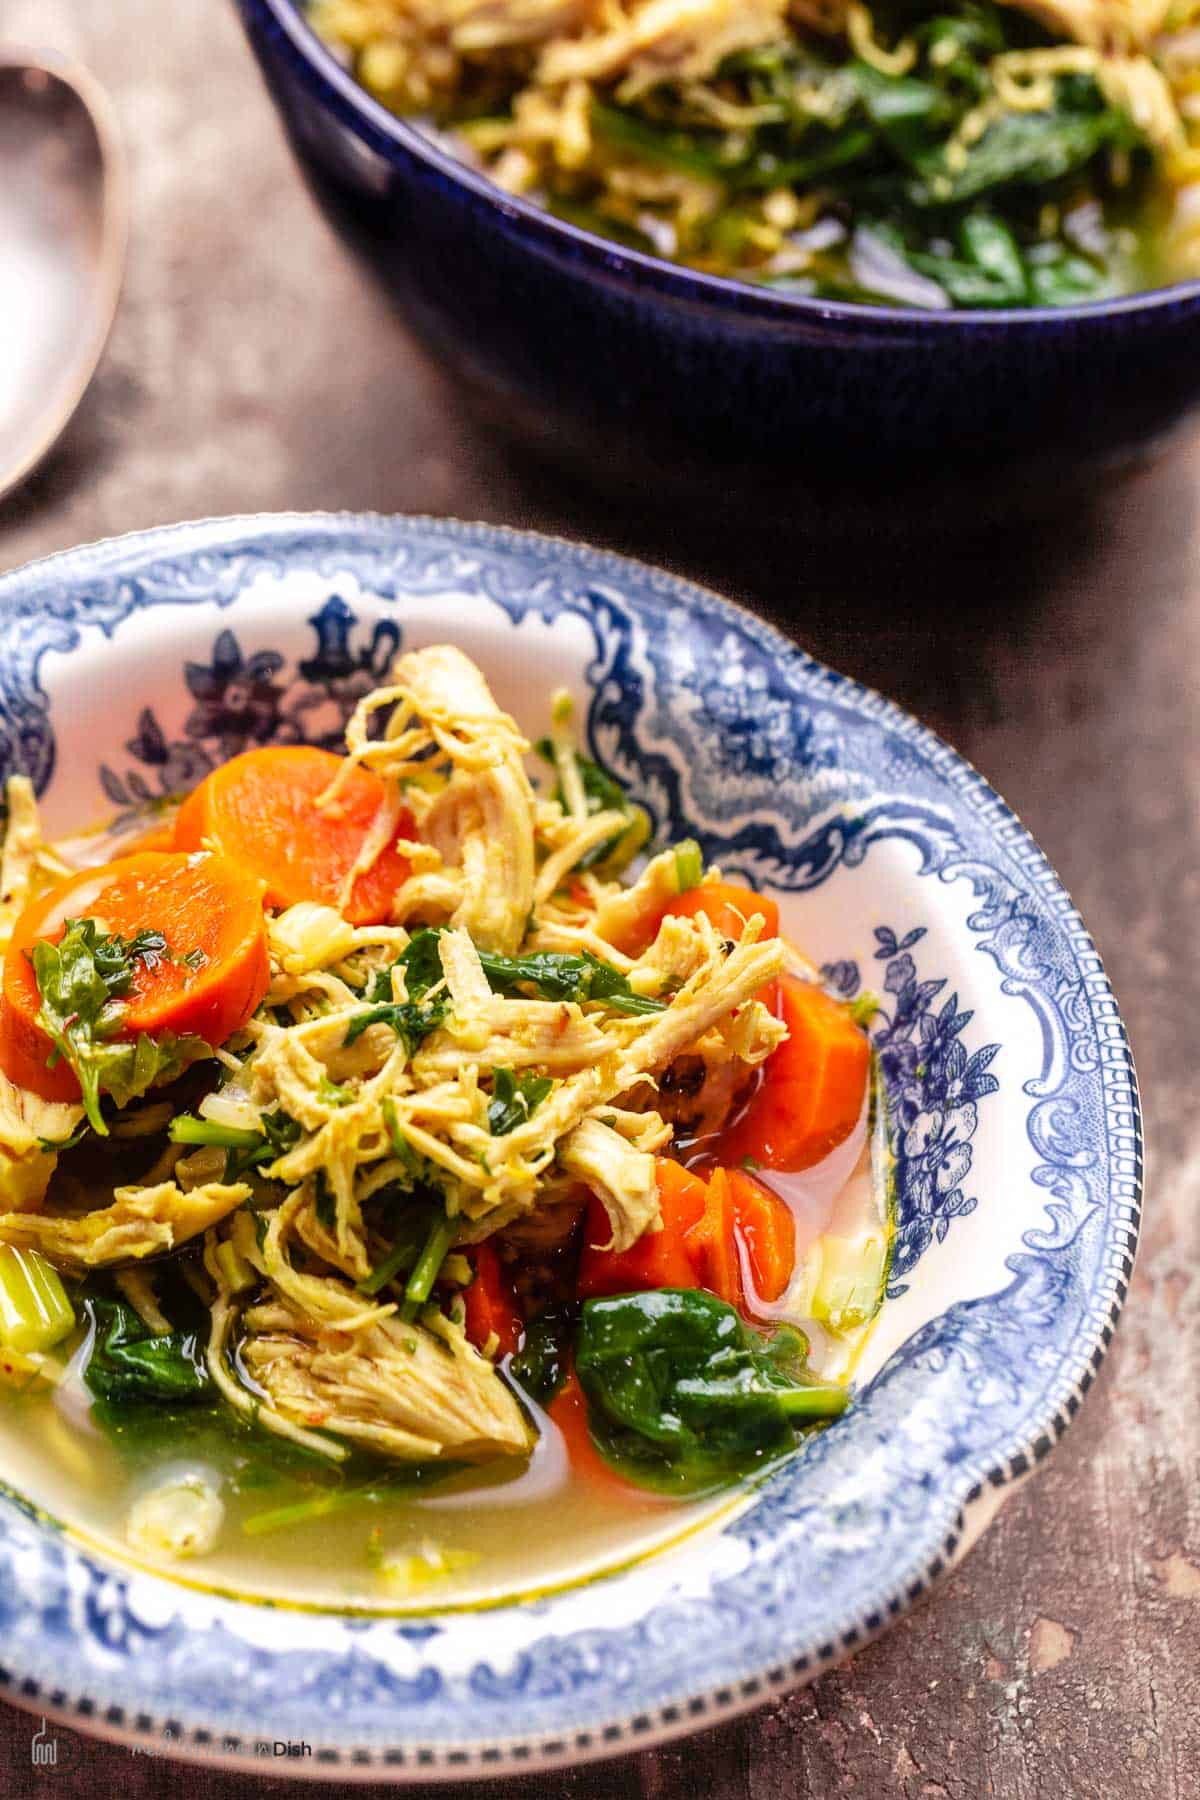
[(915, 222), (684, 1396)]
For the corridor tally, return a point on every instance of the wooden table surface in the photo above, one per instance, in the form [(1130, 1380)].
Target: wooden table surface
[(252, 368)]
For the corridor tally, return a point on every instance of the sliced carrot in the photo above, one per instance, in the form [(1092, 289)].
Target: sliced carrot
[(200, 904), (491, 1305), (767, 1231), (659, 1258), (569, 1412), (260, 809), (710, 1245), (728, 906), (813, 1085)]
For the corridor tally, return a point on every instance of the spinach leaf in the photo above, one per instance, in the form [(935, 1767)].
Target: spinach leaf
[(684, 1396), (691, 152), (415, 1018), (543, 1362), (82, 981), (565, 975), (1026, 149), (129, 1364), (514, 1098), (421, 962), (908, 113), (552, 974), (992, 270), (411, 1020), (1061, 277)]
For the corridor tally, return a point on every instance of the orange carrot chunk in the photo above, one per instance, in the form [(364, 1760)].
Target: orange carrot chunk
[(766, 1231), (260, 810), (710, 1244), (659, 1258), (491, 1304), (813, 1085), (728, 907), (209, 912), (569, 1412)]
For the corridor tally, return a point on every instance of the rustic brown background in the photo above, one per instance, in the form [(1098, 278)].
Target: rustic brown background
[(251, 369)]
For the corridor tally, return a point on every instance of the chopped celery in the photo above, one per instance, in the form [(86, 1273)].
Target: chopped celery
[(187, 1130), (34, 1310), (863, 1008), (689, 865), (237, 1274), (849, 1285)]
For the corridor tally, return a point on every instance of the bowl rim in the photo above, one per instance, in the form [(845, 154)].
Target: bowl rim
[(973, 1510), (336, 87)]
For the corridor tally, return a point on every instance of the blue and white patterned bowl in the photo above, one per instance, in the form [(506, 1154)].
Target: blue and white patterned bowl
[(128, 668)]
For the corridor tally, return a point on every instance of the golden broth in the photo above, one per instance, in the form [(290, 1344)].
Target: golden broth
[(471, 1538)]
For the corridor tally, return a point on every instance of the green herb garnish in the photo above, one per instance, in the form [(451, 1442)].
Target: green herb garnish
[(419, 1286), (246, 1149), (514, 1098), (82, 982), (412, 1019), (423, 1210), (565, 975)]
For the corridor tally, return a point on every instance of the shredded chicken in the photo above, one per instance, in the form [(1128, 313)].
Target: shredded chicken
[(141, 1222), (622, 1176), (385, 1085), (1101, 24), (408, 1391), (479, 823), (680, 40), (27, 1125), (22, 846)]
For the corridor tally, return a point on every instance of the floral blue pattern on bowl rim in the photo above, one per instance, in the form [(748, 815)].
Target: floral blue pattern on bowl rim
[(1013, 1114)]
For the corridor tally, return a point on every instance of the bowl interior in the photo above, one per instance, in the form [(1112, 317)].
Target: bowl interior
[(130, 670)]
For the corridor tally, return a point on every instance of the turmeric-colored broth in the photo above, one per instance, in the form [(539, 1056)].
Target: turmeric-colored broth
[(289, 1534), (500, 1532)]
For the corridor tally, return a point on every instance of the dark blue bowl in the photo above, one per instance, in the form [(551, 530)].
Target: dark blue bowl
[(639, 368)]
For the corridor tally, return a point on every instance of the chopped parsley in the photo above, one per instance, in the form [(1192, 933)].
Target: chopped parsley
[(82, 982), (514, 1098)]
